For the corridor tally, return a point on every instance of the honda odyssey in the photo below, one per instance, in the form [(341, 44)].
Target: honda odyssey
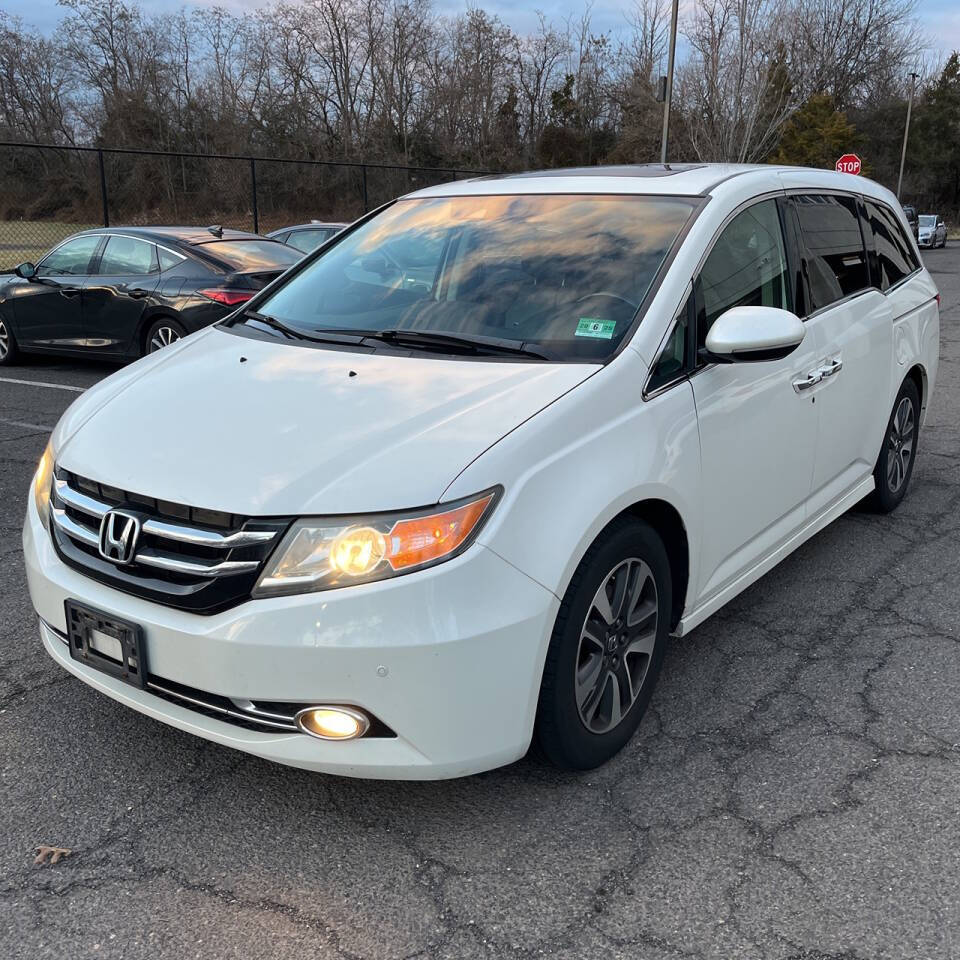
[(449, 485)]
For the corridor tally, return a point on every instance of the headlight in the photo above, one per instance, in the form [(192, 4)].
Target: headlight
[(320, 553), (41, 484)]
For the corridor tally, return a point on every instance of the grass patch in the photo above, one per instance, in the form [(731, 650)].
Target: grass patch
[(22, 240)]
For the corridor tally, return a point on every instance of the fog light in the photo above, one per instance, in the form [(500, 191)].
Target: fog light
[(333, 723)]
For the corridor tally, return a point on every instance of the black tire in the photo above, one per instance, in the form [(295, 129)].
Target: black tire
[(561, 732), (161, 333), (893, 469), (8, 344)]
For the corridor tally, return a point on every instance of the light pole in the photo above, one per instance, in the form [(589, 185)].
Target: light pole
[(669, 93), (906, 131)]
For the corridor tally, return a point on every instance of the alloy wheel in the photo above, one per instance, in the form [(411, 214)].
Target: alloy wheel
[(163, 337), (4, 341), (616, 644), (900, 441)]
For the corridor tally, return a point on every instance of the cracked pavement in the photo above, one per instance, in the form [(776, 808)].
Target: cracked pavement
[(793, 792)]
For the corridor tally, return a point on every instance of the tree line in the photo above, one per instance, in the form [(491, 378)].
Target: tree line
[(393, 81)]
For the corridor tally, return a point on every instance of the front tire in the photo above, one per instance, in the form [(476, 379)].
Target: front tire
[(607, 648), (8, 344), (894, 467), (162, 333)]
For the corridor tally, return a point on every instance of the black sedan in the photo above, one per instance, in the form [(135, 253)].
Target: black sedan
[(126, 291)]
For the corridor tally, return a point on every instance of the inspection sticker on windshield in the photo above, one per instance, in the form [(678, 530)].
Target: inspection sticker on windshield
[(592, 327)]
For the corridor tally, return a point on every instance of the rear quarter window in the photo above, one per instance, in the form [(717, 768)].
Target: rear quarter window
[(892, 257)]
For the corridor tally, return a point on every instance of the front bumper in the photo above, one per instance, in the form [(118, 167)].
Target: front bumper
[(450, 658)]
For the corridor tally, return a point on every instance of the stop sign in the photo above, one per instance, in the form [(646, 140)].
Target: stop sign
[(848, 163)]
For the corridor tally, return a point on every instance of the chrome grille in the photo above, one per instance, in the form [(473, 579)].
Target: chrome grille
[(202, 567)]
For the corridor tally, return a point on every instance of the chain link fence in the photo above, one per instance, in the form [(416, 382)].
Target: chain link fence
[(48, 193)]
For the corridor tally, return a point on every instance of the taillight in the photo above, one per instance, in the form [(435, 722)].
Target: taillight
[(938, 299), (229, 298)]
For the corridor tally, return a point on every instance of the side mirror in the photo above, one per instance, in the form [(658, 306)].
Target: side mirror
[(751, 334), (26, 270)]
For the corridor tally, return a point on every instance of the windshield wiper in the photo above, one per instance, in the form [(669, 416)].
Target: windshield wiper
[(294, 334), (473, 343)]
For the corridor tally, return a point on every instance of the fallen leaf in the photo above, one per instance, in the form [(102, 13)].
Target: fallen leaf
[(47, 854)]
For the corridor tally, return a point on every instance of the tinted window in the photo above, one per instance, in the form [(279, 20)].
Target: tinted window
[(746, 268), (168, 260), (128, 256), (892, 256), (673, 358), (252, 254), (836, 258), (564, 272), (71, 258), (308, 240)]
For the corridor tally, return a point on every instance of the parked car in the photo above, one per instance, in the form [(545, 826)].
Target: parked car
[(399, 529), (933, 231), (306, 237), (126, 291), (910, 213)]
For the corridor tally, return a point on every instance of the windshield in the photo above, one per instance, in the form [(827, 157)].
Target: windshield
[(927, 221), (564, 274), (252, 254)]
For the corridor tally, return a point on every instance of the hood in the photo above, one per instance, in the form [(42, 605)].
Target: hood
[(271, 428)]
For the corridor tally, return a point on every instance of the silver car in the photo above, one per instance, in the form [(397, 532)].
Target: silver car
[(933, 231)]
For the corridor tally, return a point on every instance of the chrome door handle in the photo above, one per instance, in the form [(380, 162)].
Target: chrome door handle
[(833, 367), (811, 380)]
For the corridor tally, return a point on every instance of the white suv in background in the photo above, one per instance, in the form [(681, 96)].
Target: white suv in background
[(451, 482)]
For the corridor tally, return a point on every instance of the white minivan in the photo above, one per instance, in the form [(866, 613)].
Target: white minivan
[(449, 484)]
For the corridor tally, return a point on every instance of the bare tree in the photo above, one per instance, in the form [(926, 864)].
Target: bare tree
[(738, 88)]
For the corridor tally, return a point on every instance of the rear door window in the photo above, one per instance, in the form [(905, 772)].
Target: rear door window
[(747, 267), (892, 256), (128, 256), (836, 259)]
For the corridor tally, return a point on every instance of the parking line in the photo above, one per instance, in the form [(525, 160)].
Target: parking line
[(42, 383), (26, 426)]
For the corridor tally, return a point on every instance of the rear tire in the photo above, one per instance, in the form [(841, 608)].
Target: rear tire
[(161, 334), (894, 466), (607, 648), (8, 344)]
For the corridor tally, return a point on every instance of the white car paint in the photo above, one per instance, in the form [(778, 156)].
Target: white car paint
[(751, 467)]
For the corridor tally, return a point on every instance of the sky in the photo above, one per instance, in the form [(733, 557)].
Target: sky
[(940, 18)]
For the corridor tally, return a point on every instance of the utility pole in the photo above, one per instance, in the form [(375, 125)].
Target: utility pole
[(669, 93), (906, 131)]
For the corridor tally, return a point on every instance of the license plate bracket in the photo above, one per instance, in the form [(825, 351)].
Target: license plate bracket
[(107, 643)]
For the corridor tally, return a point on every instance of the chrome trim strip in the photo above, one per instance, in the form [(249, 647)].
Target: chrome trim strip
[(225, 568), (200, 537), (289, 727), (62, 637), (79, 501), (250, 708), (73, 529)]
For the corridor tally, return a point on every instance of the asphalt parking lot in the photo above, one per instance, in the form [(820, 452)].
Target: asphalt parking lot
[(793, 792)]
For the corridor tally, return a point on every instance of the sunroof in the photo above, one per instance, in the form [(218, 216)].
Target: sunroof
[(642, 170)]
